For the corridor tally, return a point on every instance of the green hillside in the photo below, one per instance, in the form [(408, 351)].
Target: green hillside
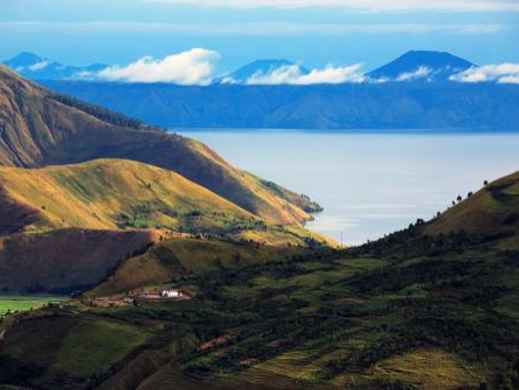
[(179, 258), (116, 194), (65, 228), (409, 311)]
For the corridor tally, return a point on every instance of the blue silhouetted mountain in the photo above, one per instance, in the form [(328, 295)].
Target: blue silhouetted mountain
[(34, 67), (24, 59), (258, 68), (421, 65)]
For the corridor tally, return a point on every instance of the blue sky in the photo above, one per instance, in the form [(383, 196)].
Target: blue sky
[(315, 33)]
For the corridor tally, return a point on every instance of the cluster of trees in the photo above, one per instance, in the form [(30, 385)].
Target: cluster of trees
[(101, 113)]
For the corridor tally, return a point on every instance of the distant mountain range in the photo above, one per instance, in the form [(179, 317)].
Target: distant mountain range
[(412, 92), (33, 67), (412, 66), (409, 105)]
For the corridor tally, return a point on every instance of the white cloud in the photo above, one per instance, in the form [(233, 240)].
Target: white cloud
[(193, 67), (503, 73), (509, 80), (228, 80), (419, 73), (288, 74), (334, 75), (368, 5), (39, 66), (292, 74)]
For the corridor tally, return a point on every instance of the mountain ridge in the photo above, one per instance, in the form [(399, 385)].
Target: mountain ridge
[(435, 65), (40, 128), (32, 66), (422, 65), (386, 106)]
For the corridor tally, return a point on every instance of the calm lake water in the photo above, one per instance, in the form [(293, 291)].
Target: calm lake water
[(370, 184)]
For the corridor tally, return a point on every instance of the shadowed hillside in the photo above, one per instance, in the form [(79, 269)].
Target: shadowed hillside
[(39, 128), (65, 261)]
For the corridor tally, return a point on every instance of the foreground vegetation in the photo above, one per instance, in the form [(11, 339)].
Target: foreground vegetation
[(402, 318)]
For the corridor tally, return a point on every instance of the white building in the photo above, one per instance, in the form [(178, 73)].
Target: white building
[(171, 293)]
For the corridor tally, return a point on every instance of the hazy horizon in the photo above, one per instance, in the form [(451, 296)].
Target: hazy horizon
[(316, 34)]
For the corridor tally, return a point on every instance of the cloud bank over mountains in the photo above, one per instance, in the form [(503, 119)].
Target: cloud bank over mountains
[(193, 67), (293, 75), (198, 67), (502, 74)]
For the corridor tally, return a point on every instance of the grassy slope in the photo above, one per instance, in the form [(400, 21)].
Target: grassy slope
[(112, 194), (40, 128), (408, 311), (182, 257), (48, 206), (494, 209)]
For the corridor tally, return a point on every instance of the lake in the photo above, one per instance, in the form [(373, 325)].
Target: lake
[(369, 184)]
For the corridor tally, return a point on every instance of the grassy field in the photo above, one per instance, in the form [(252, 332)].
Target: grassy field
[(26, 302)]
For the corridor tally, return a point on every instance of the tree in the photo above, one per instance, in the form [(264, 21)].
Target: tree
[(459, 198), (485, 183), (469, 195)]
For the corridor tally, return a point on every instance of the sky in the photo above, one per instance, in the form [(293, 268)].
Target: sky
[(315, 33)]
